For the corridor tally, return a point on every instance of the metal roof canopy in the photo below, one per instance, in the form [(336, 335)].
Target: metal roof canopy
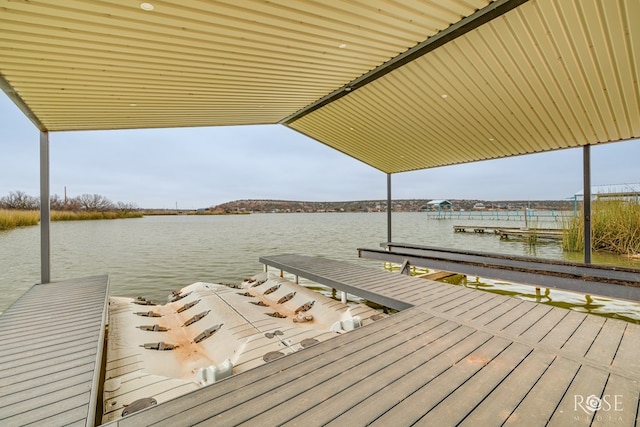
[(399, 85)]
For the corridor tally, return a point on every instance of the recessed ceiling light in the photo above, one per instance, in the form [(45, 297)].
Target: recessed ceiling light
[(444, 96), (146, 6), (133, 105), (342, 46)]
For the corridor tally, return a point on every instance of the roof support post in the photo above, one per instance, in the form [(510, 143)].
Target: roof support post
[(389, 207), (45, 210), (586, 161)]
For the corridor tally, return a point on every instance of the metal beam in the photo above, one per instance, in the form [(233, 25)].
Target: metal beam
[(45, 210), (460, 28), (13, 95), (586, 175), (616, 282)]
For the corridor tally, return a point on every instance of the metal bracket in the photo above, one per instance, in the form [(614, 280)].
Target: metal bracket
[(406, 268)]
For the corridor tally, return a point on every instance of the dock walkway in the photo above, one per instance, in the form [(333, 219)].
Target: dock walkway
[(456, 356), (50, 357), (506, 232)]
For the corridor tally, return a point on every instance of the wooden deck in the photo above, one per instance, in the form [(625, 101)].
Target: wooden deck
[(50, 357), (457, 356)]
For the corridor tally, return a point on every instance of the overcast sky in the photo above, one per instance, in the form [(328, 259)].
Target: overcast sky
[(200, 167)]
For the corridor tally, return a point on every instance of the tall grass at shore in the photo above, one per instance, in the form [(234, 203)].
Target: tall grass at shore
[(615, 227), (13, 218), (78, 216)]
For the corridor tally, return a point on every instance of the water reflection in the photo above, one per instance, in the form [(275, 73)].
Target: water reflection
[(601, 306)]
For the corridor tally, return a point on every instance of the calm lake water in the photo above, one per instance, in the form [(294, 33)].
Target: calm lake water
[(154, 255)]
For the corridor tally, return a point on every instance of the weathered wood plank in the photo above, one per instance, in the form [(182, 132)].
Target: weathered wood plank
[(619, 403), (506, 306), (574, 407), (560, 334), (53, 377), (505, 320), (58, 341), (528, 320), (582, 339), (484, 301), (430, 299), (539, 404), (463, 399), (604, 347), (627, 355), (406, 380), (456, 297), (493, 305), (427, 394), (326, 400), (541, 328), (50, 359), (76, 354), (497, 405)]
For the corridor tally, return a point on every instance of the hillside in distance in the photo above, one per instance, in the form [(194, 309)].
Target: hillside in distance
[(406, 205)]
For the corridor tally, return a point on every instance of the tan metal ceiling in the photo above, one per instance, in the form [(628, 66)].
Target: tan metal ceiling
[(545, 76), (549, 74)]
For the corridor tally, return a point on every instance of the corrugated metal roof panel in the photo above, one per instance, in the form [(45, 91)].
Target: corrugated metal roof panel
[(550, 74), (546, 75), (110, 64)]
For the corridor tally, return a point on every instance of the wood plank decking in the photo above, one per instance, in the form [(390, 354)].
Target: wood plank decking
[(50, 354), (458, 356)]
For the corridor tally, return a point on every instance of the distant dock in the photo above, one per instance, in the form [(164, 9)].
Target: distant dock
[(501, 215), (510, 232)]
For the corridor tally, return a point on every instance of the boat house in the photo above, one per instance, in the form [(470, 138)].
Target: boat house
[(400, 86)]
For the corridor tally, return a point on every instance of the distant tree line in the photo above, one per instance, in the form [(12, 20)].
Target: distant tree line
[(19, 200)]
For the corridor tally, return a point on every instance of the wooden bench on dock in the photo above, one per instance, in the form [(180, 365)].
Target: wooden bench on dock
[(52, 339), (455, 356)]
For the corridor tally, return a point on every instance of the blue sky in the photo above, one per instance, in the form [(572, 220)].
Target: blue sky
[(200, 167)]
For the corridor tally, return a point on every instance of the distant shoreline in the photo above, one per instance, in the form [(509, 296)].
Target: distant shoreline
[(401, 205)]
